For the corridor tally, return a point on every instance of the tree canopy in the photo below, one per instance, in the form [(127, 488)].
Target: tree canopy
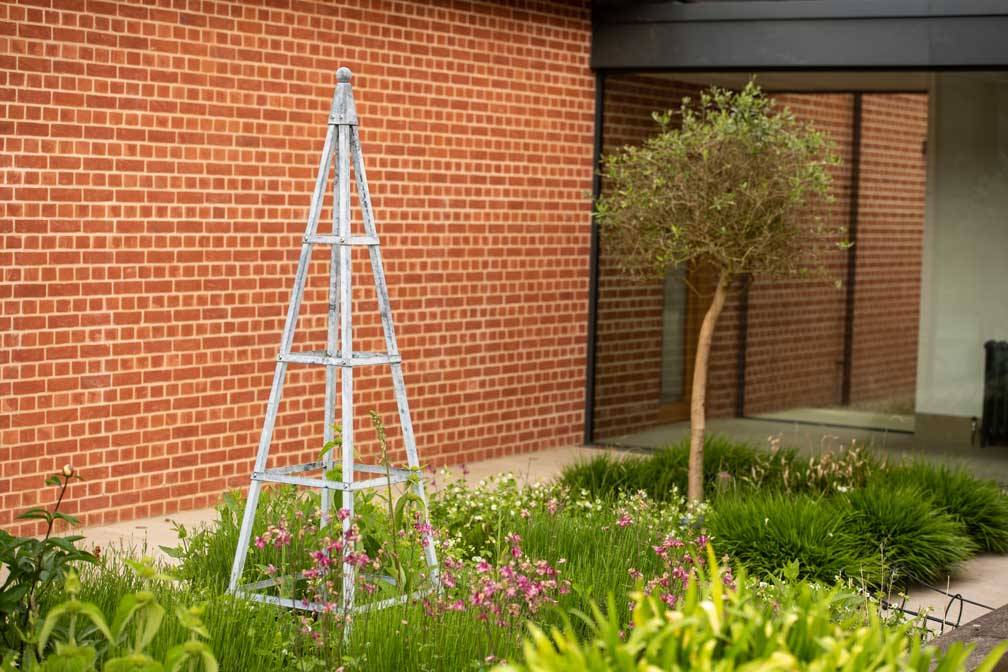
[(730, 181)]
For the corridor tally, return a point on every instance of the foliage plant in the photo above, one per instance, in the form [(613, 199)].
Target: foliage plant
[(981, 505), (472, 518), (915, 540), (377, 549), (76, 636), (534, 556), (730, 184), (765, 531), (538, 553), (719, 628), (875, 522), (35, 567), (245, 635)]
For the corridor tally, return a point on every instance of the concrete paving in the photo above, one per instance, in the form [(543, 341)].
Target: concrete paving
[(983, 579)]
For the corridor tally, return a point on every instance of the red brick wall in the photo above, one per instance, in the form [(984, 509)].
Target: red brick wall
[(796, 327), (158, 164), (795, 335), (890, 235)]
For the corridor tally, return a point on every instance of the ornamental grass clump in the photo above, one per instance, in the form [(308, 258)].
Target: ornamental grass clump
[(729, 466), (915, 540), (664, 473), (766, 531), (981, 505)]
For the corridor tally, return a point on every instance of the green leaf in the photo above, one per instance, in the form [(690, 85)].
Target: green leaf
[(95, 615), (209, 661), (192, 619), (51, 619), (153, 615), (70, 659), (11, 598), (177, 552), (232, 501), (66, 517), (400, 507), (35, 513), (128, 606), (179, 655)]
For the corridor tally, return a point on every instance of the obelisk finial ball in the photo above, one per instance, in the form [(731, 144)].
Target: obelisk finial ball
[(343, 75)]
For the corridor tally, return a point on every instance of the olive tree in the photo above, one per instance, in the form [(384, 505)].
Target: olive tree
[(732, 186)]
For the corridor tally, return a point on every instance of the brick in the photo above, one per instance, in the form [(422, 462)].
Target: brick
[(182, 192)]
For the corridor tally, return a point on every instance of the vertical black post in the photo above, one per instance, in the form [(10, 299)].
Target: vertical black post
[(852, 251), (593, 278)]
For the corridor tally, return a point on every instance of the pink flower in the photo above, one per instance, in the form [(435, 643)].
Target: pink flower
[(625, 520)]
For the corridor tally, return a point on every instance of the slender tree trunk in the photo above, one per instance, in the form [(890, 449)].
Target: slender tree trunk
[(698, 414)]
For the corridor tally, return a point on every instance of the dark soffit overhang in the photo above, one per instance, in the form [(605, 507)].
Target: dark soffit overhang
[(799, 34)]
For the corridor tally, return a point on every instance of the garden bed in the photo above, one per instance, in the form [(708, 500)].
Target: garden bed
[(821, 539)]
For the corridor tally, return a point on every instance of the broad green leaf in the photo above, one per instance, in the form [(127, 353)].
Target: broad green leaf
[(95, 615), (66, 517), (35, 513), (51, 619), (69, 659), (128, 605), (153, 614)]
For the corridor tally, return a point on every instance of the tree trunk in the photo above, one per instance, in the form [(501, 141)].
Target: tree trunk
[(698, 421)]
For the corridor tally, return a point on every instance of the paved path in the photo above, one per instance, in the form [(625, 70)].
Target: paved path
[(983, 579)]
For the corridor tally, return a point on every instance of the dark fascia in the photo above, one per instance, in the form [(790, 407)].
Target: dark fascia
[(800, 34), (623, 11)]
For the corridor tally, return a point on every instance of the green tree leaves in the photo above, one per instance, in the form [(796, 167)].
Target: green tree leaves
[(731, 181)]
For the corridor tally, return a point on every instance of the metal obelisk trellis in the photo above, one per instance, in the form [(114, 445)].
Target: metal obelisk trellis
[(342, 146)]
